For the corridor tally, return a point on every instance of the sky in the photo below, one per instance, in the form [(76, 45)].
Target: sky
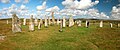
[(85, 8)]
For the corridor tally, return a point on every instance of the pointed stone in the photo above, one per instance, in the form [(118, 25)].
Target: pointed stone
[(15, 24), (101, 23)]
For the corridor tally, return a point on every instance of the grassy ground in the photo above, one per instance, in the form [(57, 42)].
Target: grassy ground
[(73, 38)]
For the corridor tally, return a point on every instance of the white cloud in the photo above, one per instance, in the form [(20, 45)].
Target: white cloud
[(90, 13), (5, 1), (13, 6), (94, 13), (55, 9), (25, 1), (23, 7), (17, 1), (115, 13), (41, 7), (103, 15), (82, 4), (13, 9)]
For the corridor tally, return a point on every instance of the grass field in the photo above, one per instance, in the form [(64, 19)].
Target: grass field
[(73, 38)]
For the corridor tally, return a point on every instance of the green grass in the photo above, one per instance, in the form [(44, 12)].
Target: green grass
[(73, 38)]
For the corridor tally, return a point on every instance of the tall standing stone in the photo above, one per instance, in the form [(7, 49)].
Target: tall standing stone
[(71, 21), (39, 25), (79, 23), (36, 21), (7, 21), (31, 24), (87, 23), (111, 25), (46, 24), (49, 21), (15, 24), (64, 22), (53, 19), (61, 25), (24, 21), (101, 23)]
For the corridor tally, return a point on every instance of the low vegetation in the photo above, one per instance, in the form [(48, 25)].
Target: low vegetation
[(73, 38)]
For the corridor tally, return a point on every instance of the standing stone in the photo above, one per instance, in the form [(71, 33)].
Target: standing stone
[(61, 25), (46, 25), (31, 24), (118, 25), (101, 23), (53, 19), (87, 23), (57, 21), (111, 25), (39, 25), (64, 22), (71, 21), (7, 21), (49, 20), (24, 21), (15, 24), (36, 21), (41, 21), (79, 23)]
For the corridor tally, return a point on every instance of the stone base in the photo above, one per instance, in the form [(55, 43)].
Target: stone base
[(60, 30)]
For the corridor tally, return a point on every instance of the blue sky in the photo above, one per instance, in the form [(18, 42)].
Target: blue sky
[(103, 5)]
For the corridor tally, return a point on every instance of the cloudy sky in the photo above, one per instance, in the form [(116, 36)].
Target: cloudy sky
[(101, 9)]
